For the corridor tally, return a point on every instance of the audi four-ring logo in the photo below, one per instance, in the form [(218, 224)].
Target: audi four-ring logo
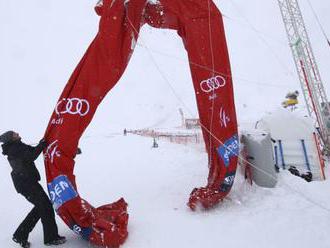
[(73, 106), (212, 83)]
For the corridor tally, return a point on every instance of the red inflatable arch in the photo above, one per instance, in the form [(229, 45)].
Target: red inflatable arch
[(199, 23)]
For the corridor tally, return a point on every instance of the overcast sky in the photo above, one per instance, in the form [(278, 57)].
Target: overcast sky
[(258, 24), (42, 42)]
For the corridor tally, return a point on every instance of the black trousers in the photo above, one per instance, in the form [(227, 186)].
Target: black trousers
[(42, 209)]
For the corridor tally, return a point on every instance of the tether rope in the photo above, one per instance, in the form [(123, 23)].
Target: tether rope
[(284, 66), (213, 90), (319, 22)]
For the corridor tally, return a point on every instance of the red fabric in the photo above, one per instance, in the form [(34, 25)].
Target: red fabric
[(199, 23)]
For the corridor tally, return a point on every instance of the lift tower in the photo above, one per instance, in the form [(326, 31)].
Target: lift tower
[(308, 72)]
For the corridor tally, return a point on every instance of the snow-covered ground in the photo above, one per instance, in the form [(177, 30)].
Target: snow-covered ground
[(156, 183), (41, 43)]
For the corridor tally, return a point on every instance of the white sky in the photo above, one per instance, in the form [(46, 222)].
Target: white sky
[(42, 42)]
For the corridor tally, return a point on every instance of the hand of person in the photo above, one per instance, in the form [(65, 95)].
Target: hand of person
[(78, 151), (43, 142)]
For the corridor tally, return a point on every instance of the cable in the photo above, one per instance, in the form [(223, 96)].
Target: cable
[(213, 90), (319, 22), (284, 66), (281, 42), (270, 84)]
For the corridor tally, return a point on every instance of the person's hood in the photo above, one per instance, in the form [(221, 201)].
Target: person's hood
[(7, 137), (7, 148)]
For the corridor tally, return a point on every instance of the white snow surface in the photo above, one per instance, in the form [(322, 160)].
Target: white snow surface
[(279, 122), (42, 42)]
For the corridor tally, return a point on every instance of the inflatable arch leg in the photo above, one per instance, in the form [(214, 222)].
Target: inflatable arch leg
[(99, 70), (201, 29)]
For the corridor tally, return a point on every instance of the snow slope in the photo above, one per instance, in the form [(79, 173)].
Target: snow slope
[(41, 43), (157, 182)]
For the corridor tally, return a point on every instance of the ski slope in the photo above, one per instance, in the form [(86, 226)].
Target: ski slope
[(157, 182), (41, 43)]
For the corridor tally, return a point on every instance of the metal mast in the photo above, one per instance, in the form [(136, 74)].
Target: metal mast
[(308, 72)]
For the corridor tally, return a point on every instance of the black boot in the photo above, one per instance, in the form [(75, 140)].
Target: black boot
[(308, 176), (57, 241), (22, 243), (294, 171)]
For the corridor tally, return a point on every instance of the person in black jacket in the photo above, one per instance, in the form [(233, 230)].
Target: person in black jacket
[(26, 179)]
